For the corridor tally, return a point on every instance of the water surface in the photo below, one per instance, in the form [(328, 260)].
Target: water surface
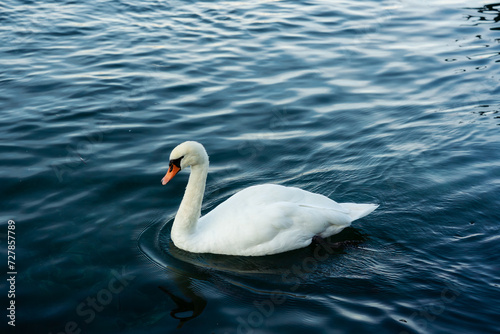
[(391, 102)]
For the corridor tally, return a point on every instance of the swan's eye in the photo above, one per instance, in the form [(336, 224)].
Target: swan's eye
[(176, 163)]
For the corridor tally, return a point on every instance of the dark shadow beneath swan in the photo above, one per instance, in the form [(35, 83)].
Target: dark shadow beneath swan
[(274, 265), (230, 274)]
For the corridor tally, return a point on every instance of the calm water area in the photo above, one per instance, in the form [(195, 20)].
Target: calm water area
[(394, 102)]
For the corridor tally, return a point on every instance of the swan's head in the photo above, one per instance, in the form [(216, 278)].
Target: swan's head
[(189, 153)]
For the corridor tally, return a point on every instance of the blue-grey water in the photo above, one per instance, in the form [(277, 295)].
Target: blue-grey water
[(393, 102)]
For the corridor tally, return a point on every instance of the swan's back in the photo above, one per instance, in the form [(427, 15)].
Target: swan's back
[(269, 219)]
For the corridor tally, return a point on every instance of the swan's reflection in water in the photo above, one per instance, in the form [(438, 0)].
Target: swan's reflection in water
[(263, 275), (195, 306)]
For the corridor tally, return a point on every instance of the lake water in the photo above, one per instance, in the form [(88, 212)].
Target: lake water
[(393, 102)]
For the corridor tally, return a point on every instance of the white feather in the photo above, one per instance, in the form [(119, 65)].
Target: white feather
[(259, 220)]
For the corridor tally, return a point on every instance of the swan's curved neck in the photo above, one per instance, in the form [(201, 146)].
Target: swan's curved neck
[(190, 208)]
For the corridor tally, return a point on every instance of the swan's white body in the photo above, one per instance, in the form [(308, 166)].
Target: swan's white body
[(259, 220)]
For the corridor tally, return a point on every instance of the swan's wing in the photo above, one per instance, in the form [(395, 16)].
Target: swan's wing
[(270, 219), (265, 194)]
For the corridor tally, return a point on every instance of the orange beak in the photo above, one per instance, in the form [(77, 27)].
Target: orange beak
[(172, 170)]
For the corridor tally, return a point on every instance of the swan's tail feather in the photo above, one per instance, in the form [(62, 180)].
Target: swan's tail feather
[(359, 210)]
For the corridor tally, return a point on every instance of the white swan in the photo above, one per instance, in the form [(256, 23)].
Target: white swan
[(259, 220)]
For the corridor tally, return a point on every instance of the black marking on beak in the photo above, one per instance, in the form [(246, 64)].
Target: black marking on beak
[(175, 162)]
